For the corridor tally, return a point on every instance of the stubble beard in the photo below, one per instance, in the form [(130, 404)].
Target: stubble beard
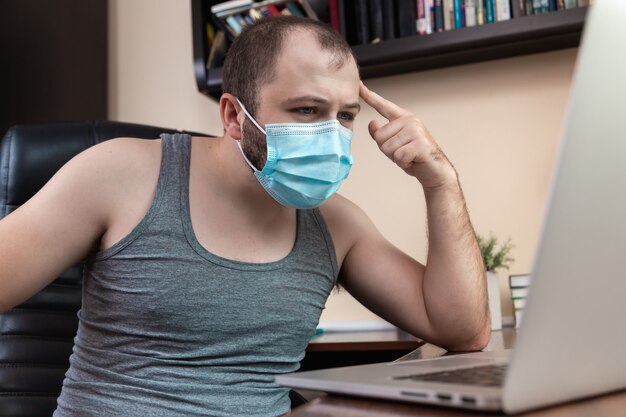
[(254, 145)]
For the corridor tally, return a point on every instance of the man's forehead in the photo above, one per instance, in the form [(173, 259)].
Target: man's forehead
[(304, 68), (301, 51)]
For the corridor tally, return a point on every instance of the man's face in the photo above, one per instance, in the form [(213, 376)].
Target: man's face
[(306, 88)]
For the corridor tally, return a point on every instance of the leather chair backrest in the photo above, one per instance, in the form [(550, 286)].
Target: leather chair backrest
[(36, 337)]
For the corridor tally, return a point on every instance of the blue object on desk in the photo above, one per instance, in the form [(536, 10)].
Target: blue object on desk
[(318, 332)]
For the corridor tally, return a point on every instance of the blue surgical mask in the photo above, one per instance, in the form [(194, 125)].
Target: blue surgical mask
[(306, 162)]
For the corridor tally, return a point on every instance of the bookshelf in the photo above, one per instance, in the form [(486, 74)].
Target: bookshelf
[(519, 36)]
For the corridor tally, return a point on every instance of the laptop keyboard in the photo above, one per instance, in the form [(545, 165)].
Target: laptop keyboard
[(489, 376)]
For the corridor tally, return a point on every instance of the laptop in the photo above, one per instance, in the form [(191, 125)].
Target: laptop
[(572, 341)]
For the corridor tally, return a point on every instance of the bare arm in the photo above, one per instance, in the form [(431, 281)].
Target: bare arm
[(445, 302), (58, 226)]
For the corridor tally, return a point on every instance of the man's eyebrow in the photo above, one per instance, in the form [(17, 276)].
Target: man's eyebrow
[(318, 100), (356, 106)]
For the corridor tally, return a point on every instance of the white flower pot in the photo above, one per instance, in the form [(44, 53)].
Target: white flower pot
[(493, 292)]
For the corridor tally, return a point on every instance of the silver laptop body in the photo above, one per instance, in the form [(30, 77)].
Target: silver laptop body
[(572, 343)]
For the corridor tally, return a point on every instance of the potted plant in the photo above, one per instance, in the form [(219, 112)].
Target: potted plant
[(495, 256)]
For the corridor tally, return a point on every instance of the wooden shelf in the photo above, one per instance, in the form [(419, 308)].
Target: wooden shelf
[(515, 37)]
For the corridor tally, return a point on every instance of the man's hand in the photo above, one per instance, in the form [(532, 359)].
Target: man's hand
[(407, 142)]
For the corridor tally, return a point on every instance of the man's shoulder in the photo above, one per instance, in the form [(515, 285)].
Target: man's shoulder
[(112, 169), (344, 217), (121, 157)]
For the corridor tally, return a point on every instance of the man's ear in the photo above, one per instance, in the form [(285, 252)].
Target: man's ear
[(229, 112)]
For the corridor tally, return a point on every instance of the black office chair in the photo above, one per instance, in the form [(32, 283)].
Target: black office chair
[(36, 337)]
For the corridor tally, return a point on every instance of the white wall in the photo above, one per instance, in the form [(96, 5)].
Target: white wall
[(497, 121)]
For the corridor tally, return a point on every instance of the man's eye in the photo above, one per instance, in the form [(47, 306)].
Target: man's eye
[(306, 110), (345, 116)]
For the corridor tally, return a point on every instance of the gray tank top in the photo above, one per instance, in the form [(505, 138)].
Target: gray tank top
[(169, 329)]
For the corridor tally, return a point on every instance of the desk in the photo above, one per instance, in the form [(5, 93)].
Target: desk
[(613, 405), (334, 349)]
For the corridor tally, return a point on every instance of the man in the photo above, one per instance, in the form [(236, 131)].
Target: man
[(209, 261)]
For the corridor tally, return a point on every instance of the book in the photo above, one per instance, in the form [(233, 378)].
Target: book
[(429, 12), (570, 4), (448, 14), (458, 14), (229, 5), (319, 7), (362, 22), (333, 11), (519, 280), (504, 10), (519, 303), (422, 27), (376, 21), (389, 25), (528, 7), (519, 292), (438, 8), (357, 22), (218, 51), (294, 9), (480, 12), (233, 25), (517, 8), (255, 14), (406, 17), (273, 10), (470, 13), (490, 11)]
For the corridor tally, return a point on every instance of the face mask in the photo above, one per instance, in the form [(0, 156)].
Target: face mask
[(306, 162)]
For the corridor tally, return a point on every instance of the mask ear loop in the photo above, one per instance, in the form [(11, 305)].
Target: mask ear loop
[(239, 142), (250, 117)]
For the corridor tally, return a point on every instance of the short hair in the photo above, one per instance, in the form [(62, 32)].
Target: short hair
[(251, 59)]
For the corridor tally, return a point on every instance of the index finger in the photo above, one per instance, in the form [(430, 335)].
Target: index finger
[(384, 107)]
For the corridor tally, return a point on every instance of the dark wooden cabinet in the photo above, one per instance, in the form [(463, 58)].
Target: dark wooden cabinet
[(523, 35)]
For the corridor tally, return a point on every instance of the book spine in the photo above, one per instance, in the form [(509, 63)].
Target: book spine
[(560, 5), (229, 5), (273, 10), (333, 12), (438, 5), (430, 16), (293, 8), (570, 4), (545, 6), (517, 8), (362, 25), (448, 14), (406, 17), (234, 24), (480, 12), (458, 17), (528, 6), (470, 13), (376, 20), (389, 25), (421, 18), (341, 8), (504, 10), (489, 11)]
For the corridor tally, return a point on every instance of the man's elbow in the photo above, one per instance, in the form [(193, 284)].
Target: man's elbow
[(475, 341)]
